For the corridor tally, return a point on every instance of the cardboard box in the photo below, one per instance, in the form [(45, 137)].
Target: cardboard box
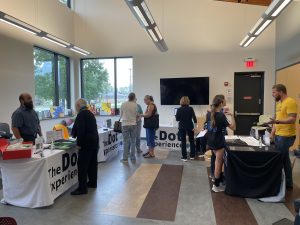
[(21, 151)]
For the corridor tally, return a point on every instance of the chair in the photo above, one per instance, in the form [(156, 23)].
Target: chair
[(5, 130), (8, 221), (63, 129)]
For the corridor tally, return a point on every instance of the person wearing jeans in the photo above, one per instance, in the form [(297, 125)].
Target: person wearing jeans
[(129, 116), (186, 117), (283, 145), (284, 128)]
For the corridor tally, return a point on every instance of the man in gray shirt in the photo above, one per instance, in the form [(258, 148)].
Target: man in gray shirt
[(25, 121)]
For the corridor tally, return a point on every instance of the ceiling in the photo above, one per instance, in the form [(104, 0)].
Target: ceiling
[(251, 2), (108, 28)]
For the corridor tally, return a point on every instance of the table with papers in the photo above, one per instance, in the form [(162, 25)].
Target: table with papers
[(38, 181), (252, 171)]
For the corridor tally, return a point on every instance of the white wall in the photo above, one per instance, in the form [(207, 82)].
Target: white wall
[(219, 67), (16, 74), (288, 36)]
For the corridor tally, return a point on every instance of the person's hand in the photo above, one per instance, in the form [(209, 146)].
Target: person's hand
[(273, 121), (228, 113)]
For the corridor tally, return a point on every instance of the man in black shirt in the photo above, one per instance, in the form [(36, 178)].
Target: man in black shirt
[(86, 132), (25, 121)]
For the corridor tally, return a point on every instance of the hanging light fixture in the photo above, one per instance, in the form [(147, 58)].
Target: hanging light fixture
[(272, 12), (141, 11), (40, 33)]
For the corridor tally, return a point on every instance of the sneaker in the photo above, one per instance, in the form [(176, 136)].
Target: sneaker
[(147, 153), (201, 156), (213, 179), (192, 158), (124, 160), (184, 160), (217, 189), (211, 176)]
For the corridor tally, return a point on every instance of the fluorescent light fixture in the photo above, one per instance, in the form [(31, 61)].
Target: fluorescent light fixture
[(258, 23), (244, 40), (140, 15), (158, 33), (280, 8), (265, 24), (152, 35), (21, 24), (18, 26), (249, 42), (55, 42), (73, 49), (147, 11), (141, 11), (272, 6), (81, 50)]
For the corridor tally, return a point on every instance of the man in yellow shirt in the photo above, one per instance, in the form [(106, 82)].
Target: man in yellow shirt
[(284, 128)]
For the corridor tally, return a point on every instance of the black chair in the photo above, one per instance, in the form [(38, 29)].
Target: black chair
[(297, 208), (5, 131), (7, 221)]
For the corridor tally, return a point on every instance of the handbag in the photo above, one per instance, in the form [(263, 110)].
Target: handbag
[(118, 126), (153, 121)]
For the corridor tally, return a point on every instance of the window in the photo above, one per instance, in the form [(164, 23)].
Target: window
[(106, 83), (66, 2), (52, 83)]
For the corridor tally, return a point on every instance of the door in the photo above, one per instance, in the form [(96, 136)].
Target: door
[(248, 100)]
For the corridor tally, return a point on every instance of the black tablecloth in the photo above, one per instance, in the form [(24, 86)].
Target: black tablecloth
[(253, 174)]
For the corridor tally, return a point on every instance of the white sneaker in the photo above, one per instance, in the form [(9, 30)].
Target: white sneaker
[(201, 156), (218, 189), (184, 160), (192, 158)]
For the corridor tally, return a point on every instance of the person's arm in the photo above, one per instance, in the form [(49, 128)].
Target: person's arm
[(290, 120), (16, 132), (16, 123), (231, 125), (177, 116), (81, 130), (149, 112), (194, 119)]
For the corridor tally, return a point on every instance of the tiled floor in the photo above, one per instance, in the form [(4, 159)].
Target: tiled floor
[(195, 203)]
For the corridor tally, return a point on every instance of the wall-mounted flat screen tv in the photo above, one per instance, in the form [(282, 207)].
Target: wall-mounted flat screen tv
[(196, 88)]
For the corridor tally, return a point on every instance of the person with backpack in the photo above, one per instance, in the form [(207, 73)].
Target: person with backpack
[(216, 138)]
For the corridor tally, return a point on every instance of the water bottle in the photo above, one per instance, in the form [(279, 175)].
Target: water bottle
[(260, 143), (267, 138)]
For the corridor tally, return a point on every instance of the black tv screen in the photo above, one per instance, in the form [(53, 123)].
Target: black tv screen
[(196, 88)]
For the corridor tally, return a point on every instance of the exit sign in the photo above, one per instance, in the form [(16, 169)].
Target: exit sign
[(249, 62)]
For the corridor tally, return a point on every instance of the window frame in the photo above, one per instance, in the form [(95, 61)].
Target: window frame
[(56, 68), (69, 4), (115, 78)]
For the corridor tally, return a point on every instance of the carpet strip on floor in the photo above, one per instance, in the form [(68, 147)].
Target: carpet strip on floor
[(161, 201), (130, 198), (231, 210)]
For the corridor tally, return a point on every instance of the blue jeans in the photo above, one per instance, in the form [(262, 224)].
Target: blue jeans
[(283, 145), (129, 139), (150, 136)]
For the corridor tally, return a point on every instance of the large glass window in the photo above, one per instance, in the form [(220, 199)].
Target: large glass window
[(52, 84), (106, 83)]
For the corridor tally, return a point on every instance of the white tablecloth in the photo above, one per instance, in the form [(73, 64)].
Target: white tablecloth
[(167, 138), (110, 143), (37, 182)]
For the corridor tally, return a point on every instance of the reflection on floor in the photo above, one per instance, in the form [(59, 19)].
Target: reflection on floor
[(162, 191)]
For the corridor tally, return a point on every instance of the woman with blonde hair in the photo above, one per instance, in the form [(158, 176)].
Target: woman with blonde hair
[(216, 137), (186, 117)]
